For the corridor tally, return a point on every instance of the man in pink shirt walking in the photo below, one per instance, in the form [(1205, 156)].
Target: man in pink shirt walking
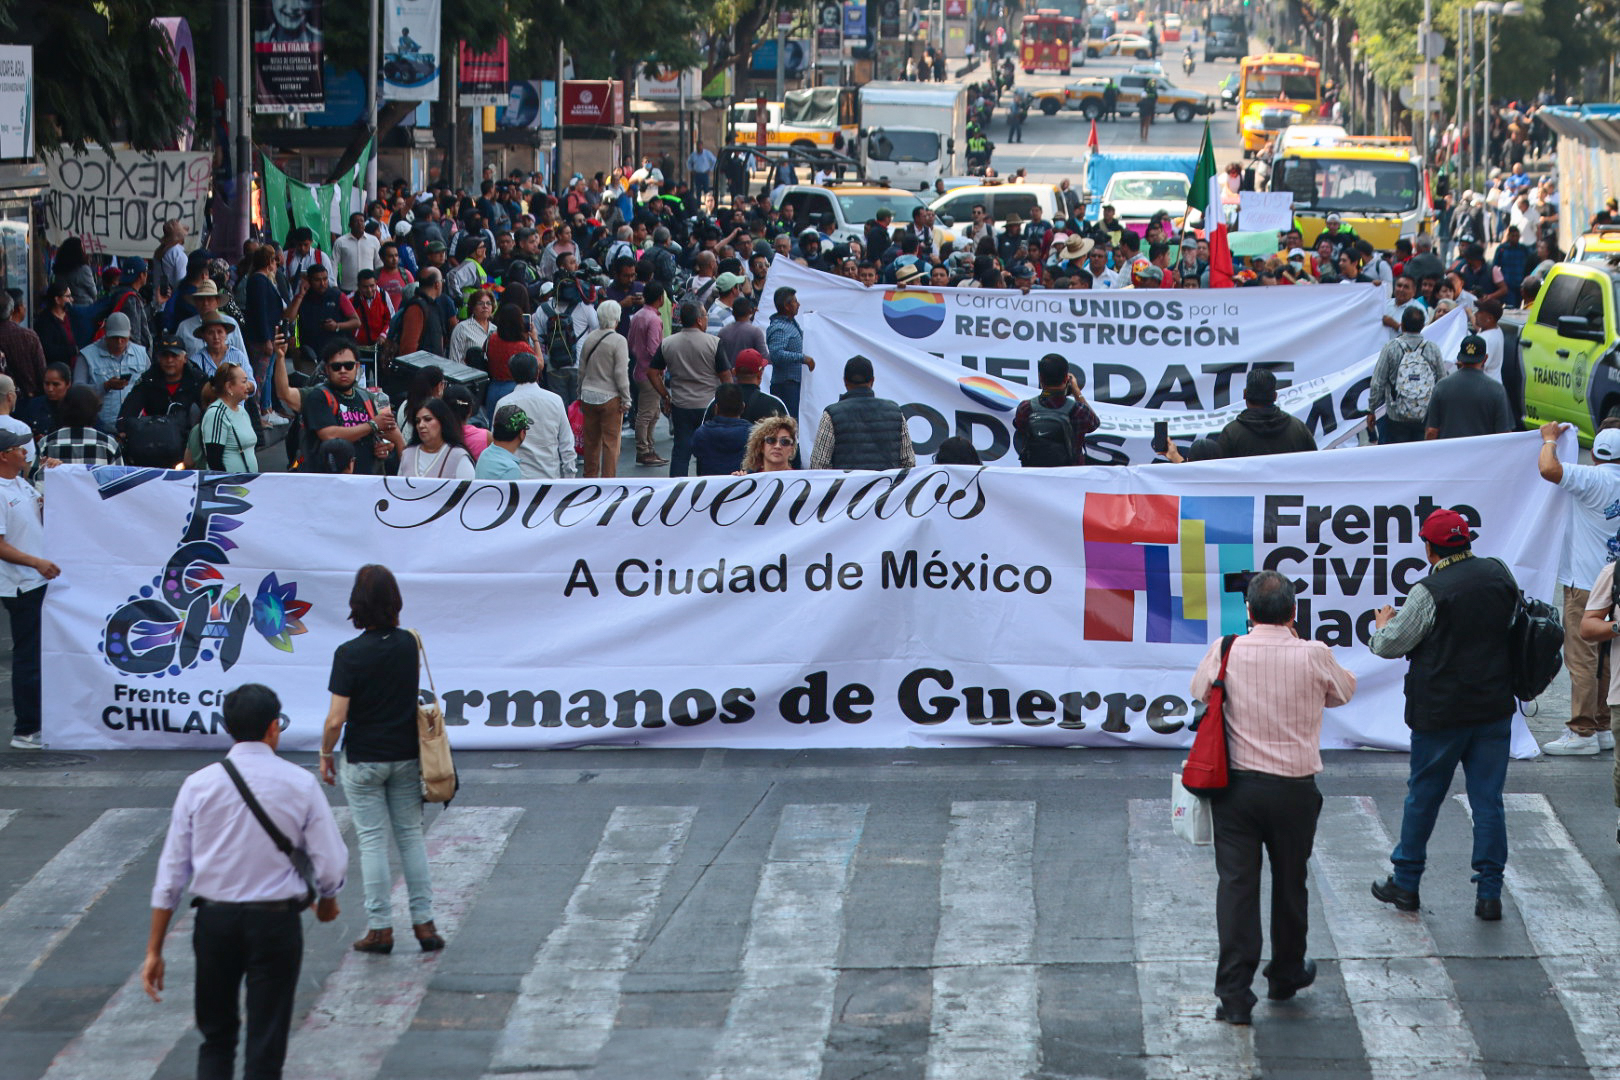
[(1277, 685)]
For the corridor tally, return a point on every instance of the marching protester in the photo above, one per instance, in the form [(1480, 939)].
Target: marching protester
[(861, 430), (499, 461), (1050, 428), (1454, 629), (604, 390), (1468, 401), (1262, 428), (373, 711), (437, 448), (695, 366), (1591, 537), (229, 440), (24, 572), (1404, 377), (1276, 686), (772, 444), (223, 845), (547, 450)]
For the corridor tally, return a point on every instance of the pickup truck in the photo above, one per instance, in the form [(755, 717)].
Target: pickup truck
[(1570, 348)]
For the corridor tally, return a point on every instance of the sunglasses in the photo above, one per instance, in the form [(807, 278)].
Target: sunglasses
[(784, 440), (341, 365)]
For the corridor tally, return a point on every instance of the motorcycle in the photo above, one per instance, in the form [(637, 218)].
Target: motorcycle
[(1187, 62)]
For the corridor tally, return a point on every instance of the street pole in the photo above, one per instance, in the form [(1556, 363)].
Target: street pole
[(1485, 118), (371, 96), (556, 151), (1424, 30), (244, 124), (781, 58), (1473, 102), (1457, 106)]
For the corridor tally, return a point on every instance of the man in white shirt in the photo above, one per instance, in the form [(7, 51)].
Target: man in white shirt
[(700, 163), (8, 422), (207, 300), (547, 450), (23, 574), (1405, 297), (356, 250), (727, 287), (1488, 316)]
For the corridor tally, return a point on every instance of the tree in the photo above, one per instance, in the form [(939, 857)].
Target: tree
[(92, 60)]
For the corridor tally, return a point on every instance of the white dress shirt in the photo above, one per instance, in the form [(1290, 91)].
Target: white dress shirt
[(547, 449), (354, 254), (218, 847)]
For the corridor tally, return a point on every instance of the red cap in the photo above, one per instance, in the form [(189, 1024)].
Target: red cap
[(1446, 529), (750, 360)]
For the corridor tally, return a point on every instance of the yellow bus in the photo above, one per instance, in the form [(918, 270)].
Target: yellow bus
[(1274, 91)]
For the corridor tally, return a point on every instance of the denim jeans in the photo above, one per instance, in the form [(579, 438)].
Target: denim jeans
[(1482, 750), (685, 423), (386, 795), (498, 389)]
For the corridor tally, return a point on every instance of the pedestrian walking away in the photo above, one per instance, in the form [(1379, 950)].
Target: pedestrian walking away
[(255, 841), (1276, 685), (1455, 629)]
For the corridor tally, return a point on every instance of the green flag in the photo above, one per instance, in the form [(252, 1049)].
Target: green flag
[(306, 211), (1198, 197), (275, 202)]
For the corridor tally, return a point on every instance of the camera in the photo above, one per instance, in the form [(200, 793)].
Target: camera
[(1237, 582)]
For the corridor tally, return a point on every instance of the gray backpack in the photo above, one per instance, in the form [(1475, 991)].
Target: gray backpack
[(1414, 385)]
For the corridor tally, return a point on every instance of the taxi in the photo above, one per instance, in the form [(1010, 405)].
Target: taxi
[(1598, 246)]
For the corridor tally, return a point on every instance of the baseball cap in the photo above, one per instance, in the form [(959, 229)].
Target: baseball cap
[(726, 282), (171, 344), (434, 246), (117, 325), (1606, 445), (1296, 253), (1334, 217), (753, 362), (1446, 529), (133, 267), (511, 421), (1145, 273), (10, 440), (1472, 350)]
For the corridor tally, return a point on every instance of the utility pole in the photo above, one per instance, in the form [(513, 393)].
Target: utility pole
[(1473, 103), (781, 56), (371, 96), (244, 122), (1424, 30), (556, 151)]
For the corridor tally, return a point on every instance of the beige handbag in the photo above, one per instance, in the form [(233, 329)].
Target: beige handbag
[(439, 780)]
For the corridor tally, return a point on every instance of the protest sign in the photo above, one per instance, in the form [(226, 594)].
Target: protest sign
[(117, 204), (289, 49), (935, 606), (1266, 211), (941, 400), (1160, 349)]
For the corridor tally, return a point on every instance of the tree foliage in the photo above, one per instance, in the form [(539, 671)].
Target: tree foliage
[(93, 61)]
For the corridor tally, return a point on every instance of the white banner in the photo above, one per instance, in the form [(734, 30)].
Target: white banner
[(938, 606), (1156, 348), (942, 401), (117, 204), (16, 101), (411, 53)]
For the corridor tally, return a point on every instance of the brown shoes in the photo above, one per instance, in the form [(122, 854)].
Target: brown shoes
[(428, 937), (380, 942), (652, 460)]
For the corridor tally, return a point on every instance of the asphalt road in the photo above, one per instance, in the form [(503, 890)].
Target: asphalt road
[(905, 914)]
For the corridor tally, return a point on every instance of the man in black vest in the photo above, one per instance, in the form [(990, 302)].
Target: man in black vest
[(861, 430), (1455, 629)]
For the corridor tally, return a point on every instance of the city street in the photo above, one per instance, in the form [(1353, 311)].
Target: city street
[(918, 913)]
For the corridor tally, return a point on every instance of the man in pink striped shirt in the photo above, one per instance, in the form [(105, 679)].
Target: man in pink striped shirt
[(1277, 685)]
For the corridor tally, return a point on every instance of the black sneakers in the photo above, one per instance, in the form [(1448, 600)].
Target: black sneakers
[(1391, 893)]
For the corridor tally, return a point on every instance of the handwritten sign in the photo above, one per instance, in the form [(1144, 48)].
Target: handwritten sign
[(118, 204)]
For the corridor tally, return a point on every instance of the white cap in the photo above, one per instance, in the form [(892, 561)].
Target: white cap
[(1606, 445)]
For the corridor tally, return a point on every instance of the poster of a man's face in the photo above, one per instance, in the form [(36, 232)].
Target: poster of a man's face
[(291, 21)]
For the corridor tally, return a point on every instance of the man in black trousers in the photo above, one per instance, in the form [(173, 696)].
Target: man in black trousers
[(247, 892), (1277, 685)]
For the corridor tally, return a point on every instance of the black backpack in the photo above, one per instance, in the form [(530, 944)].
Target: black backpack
[(1535, 646), (157, 442), (1048, 438)]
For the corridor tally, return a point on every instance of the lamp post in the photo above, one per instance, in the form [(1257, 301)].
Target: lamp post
[(1487, 8)]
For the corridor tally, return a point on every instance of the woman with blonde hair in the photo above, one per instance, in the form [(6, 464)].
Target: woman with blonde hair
[(771, 445), (229, 440)]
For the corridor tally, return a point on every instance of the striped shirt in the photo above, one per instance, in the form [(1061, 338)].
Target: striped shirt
[(1276, 688)]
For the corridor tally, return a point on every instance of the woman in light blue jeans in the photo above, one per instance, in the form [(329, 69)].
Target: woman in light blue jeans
[(374, 695)]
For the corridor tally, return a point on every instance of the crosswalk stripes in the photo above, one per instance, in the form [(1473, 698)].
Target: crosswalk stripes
[(985, 1020), (132, 1034), (369, 1001), (1572, 924), (1400, 992), (564, 1011), (1173, 890), (779, 1018), (38, 916)]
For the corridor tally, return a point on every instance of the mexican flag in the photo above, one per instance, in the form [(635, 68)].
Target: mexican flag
[(1205, 196)]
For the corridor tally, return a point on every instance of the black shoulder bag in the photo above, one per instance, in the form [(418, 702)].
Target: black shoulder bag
[(297, 856)]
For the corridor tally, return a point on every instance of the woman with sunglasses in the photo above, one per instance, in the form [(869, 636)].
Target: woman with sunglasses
[(771, 445)]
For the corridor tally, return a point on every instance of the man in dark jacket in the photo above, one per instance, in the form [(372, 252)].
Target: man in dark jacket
[(170, 388), (1262, 428), (861, 430), (719, 442), (1455, 628)]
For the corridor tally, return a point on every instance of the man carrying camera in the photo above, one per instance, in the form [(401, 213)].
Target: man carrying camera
[(1276, 685)]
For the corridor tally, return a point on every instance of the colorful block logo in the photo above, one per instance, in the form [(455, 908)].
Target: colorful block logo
[(988, 392), (1173, 550), (913, 313)]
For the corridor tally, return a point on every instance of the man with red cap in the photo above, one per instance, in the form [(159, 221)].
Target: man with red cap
[(757, 404), (1454, 629)]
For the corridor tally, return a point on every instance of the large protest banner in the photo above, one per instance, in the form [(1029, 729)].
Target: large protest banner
[(117, 204), (288, 52), (936, 606), (941, 400), (1169, 348), (411, 54)]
